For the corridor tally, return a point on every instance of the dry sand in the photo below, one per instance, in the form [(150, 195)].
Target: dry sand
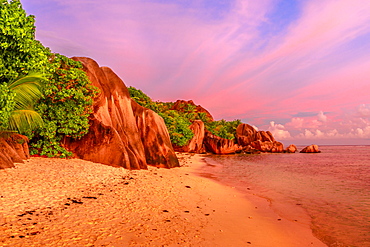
[(59, 202)]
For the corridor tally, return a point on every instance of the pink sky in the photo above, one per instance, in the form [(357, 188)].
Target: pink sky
[(300, 69)]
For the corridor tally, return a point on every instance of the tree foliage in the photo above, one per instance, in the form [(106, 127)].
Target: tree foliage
[(67, 94), (20, 53), (178, 122), (178, 127), (21, 115), (223, 128), (65, 105)]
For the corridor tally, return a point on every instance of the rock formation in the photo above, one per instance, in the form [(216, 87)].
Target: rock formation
[(13, 149), (268, 146), (181, 106), (265, 136), (291, 149), (114, 137), (311, 149), (245, 134), (195, 145), (263, 141), (248, 140), (218, 145), (155, 137)]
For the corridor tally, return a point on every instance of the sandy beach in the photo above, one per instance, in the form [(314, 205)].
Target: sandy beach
[(72, 202)]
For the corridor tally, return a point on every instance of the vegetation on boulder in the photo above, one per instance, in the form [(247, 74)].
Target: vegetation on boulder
[(67, 95), (65, 106), (223, 128), (179, 121), (176, 122)]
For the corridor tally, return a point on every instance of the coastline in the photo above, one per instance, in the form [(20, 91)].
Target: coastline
[(60, 202)]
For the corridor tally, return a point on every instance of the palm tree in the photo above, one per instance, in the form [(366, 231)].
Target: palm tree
[(27, 91)]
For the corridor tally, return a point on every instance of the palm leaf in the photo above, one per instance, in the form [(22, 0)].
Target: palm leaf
[(32, 77), (27, 89), (23, 120)]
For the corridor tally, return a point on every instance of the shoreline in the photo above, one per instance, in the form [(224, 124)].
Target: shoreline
[(282, 209), (272, 226), (59, 202)]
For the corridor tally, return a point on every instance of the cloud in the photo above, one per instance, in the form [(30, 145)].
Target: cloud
[(321, 117), (278, 131), (364, 110), (296, 123), (351, 124)]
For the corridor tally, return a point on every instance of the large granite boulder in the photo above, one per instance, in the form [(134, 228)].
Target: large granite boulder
[(218, 145), (114, 137), (195, 145), (13, 149), (268, 146), (245, 134), (291, 149), (262, 141), (155, 137), (265, 136), (311, 149), (183, 105)]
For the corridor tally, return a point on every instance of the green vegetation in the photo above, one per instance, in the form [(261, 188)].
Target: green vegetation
[(66, 93), (65, 106), (223, 128), (178, 121), (17, 99), (178, 127)]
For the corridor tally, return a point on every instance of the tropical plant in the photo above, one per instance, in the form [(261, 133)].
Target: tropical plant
[(67, 94), (223, 128), (20, 53), (177, 123), (65, 107), (17, 101), (178, 127)]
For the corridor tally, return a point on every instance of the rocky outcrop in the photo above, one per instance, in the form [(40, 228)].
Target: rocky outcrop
[(245, 134), (183, 106), (195, 145), (265, 136), (114, 137), (218, 145), (262, 141), (155, 137), (311, 149), (291, 149), (268, 146), (13, 149)]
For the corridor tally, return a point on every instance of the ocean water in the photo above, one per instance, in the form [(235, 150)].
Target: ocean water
[(333, 187)]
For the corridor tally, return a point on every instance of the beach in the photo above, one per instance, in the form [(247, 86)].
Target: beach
[(72, 202)]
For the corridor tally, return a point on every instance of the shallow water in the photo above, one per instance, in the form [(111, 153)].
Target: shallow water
[(333, 187)]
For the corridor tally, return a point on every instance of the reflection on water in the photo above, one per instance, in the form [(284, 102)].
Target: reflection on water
[(332, 186)]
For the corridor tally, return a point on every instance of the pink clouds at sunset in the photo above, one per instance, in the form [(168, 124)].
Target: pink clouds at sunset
[(297, 68)]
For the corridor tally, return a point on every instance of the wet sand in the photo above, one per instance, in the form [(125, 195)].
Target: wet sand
[(60, 202)]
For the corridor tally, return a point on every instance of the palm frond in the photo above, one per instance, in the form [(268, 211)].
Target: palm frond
[(27, 89), (23, 120), (26, 95), (31, 78)]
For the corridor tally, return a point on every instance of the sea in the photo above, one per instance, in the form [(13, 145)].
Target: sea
[(332, 187)]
